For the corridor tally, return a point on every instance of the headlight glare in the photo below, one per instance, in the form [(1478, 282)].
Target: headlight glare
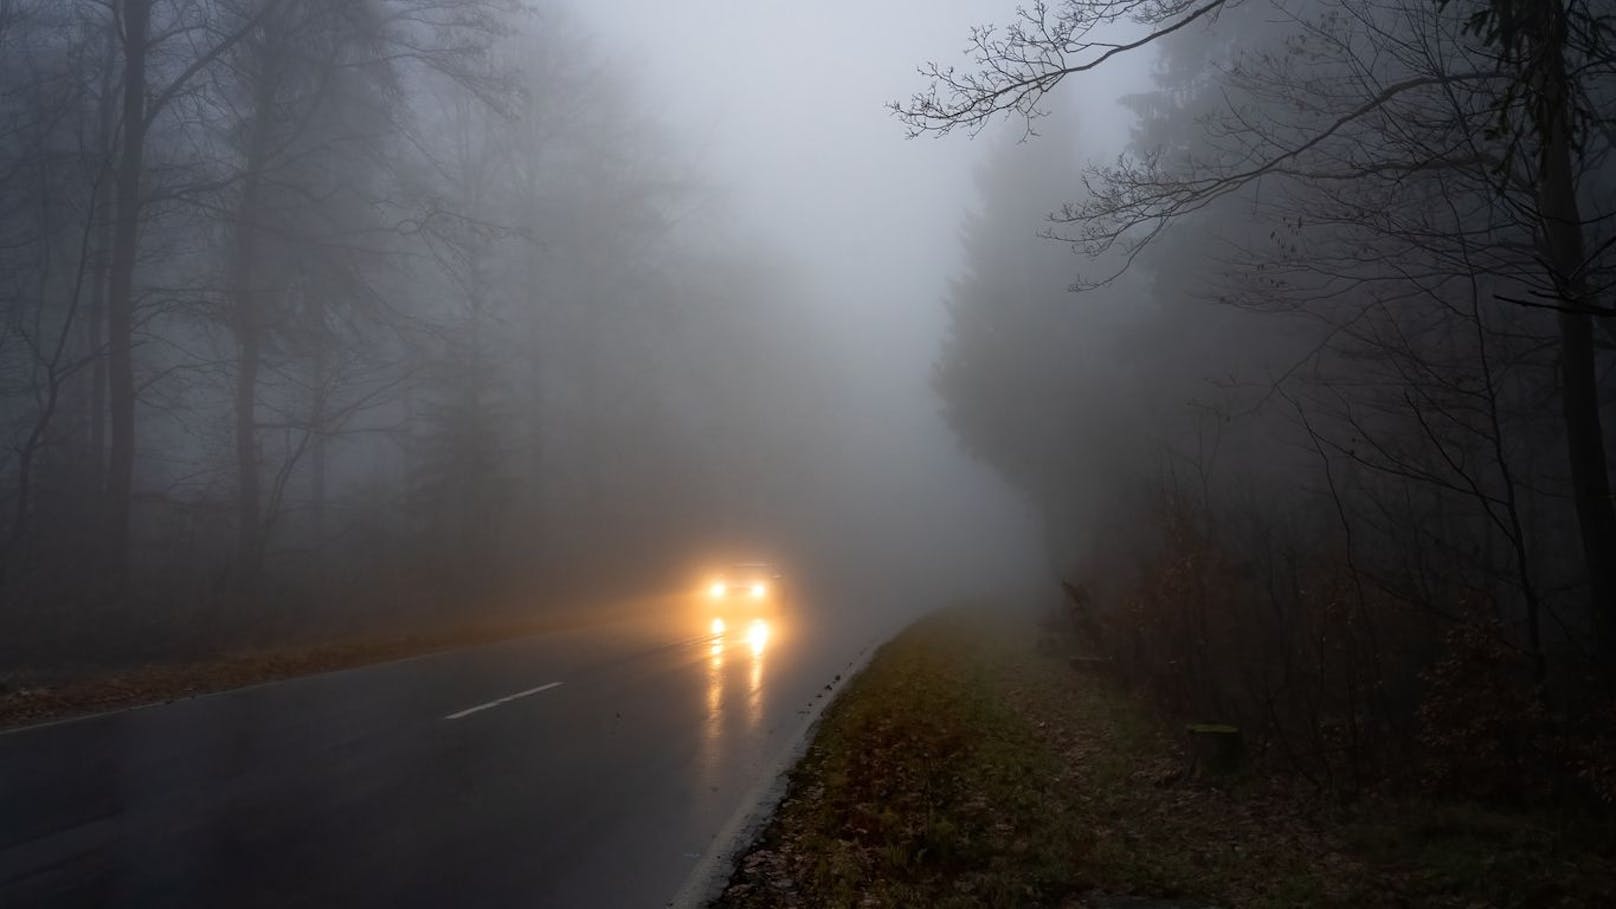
[(758, 636)]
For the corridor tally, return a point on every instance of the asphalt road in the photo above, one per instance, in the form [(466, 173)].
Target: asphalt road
[(583, 768)]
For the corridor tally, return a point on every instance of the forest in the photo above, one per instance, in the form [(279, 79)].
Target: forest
[(1313, 384), (323, 315)]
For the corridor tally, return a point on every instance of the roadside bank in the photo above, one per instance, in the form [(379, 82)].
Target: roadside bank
[(973, 763)]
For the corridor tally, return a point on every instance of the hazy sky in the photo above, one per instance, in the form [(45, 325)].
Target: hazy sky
[(782, 106), (783, 103)]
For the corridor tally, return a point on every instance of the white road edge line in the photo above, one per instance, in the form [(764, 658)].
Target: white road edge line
[(498, 701), (712, 871)]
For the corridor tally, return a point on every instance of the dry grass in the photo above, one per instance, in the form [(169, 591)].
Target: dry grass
[(24, 702), (970, 766)]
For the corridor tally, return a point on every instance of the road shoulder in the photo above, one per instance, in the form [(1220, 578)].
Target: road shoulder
[(971, 764), (25, 703)]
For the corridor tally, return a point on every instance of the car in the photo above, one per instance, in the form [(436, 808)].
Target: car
[(743, 597)]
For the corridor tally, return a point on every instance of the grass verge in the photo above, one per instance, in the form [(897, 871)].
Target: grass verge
[(971, 765), (26, 702)]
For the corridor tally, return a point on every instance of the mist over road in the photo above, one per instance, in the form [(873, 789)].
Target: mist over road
[(588, 767)]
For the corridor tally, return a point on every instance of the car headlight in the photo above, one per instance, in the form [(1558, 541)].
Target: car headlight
[(759, 589), (718, 626), (717, 590)]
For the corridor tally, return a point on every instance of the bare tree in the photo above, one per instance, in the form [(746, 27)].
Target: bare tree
[(1533, 73), (144, 100)]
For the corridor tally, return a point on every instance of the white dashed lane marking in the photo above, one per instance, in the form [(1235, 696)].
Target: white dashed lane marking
[(498, 701)]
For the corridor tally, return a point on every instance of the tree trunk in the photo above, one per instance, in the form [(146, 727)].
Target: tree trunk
[(120, 292), (249, 545), (1215, 750), (249, 342), (95, 332), (319, 323), (1563, 244), (318, 419)]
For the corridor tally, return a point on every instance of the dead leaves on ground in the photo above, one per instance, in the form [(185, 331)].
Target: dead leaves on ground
[(970, 767)]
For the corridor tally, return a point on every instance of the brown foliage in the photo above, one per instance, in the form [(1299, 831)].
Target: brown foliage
[(1483, 727), (1341, 683)]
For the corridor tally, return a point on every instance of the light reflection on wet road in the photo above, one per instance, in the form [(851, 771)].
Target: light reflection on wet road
[(354, 789)]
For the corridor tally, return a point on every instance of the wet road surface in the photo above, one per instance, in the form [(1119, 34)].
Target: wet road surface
[(579, 768)]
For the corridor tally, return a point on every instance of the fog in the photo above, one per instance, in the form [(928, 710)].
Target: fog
[(562, 307), (784, 108), (599, 383), (424, 312)]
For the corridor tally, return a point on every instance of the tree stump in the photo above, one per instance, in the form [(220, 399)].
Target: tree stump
[(1216, 749)]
